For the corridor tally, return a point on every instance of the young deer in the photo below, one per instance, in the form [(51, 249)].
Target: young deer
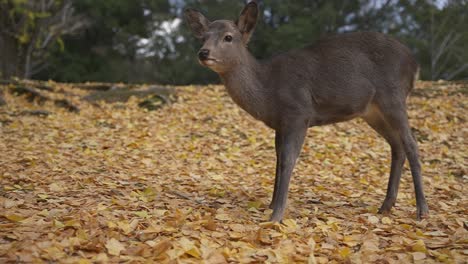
[(367, 75)]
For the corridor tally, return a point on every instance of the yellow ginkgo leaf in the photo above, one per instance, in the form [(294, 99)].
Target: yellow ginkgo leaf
[(14, 217), (114, 247)]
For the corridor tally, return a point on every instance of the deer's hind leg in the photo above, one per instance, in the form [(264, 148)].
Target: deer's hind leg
[(394, 114), (377, 121)]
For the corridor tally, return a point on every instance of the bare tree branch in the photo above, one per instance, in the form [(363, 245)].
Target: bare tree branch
[(447, 43), (61, 22), (456, 72)]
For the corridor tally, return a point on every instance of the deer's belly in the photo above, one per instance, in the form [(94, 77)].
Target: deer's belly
[(336, 114)]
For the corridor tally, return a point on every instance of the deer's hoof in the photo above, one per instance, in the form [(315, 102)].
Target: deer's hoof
[(384, 211), (387, 206), (422, 212), (276, 217)]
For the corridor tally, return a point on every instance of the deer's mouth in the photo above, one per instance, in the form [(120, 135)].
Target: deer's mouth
[(209, 61)]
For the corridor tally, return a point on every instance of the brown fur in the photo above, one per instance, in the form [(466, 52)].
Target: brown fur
[(338, 78)]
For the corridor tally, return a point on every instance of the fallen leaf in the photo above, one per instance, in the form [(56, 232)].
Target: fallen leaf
[(419, 246), (114, 247), (418, 256), (223, 217), (387, 221), (344, 252), (14, 217), (373, 219)]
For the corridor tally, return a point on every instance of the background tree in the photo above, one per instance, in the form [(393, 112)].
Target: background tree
[(28, 29), (438, 36), (108, 49), (147, 41), (283, 25), (449, 59)]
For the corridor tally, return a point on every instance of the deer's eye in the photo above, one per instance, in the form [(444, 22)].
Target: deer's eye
[(228, 38)]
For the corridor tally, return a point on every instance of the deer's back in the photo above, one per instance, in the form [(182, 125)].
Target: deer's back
[(339, 76)]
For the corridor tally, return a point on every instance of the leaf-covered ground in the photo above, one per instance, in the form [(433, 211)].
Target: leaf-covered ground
[(191, 182)]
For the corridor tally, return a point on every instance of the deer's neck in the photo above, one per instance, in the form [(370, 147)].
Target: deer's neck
[(245, 85)]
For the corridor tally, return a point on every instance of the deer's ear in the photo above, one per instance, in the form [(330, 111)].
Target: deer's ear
[(247, 20), (197, 22)]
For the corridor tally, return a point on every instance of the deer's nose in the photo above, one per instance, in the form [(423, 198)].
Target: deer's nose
[(203, 54)]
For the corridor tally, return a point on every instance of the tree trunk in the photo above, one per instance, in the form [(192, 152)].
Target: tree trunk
[(10, 64), (2, 101)]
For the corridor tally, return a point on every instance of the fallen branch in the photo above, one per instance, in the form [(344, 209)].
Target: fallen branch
[(41, 85), (44, 87), (98, 86), (33, 94), (123, 94), (67, 105), (43, 113), (153, 97)]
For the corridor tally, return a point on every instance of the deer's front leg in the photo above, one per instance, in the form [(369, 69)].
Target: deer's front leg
[(291, 137), (277, 174)]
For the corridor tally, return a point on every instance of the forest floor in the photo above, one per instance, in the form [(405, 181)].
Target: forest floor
[(191, 182)]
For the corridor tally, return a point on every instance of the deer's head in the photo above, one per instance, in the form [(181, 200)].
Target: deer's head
[(224, 41)]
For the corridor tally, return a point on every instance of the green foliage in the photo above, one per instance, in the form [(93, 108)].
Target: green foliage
[(107, 49), (28, 30), (22, 10), (437, 36), (111, 48)]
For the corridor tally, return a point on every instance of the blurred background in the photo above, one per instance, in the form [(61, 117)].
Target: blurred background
[(146, 41)]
